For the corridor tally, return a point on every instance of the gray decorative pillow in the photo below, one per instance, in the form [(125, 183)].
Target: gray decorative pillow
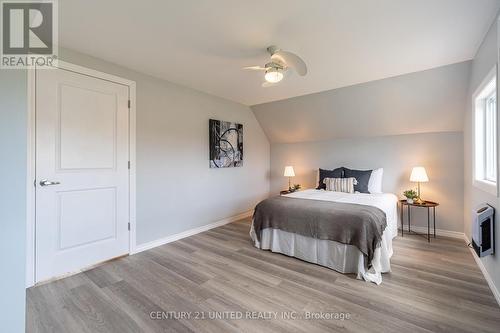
[(345, 185), (336, 173), (362, 176)]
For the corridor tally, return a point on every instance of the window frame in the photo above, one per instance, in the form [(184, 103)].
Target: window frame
[(479, 99)]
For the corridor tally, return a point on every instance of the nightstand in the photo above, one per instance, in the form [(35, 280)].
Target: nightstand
[(426, 204)]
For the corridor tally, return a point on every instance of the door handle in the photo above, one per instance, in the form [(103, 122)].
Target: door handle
[(45, 182)]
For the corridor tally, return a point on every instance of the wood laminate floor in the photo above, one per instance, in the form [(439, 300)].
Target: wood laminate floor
[(433, 287)]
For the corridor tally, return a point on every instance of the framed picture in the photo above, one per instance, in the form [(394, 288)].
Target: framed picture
[(226, 144)]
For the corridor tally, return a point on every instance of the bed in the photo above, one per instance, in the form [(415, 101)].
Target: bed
[(342, 257)]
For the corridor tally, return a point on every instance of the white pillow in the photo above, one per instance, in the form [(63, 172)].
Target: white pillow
[(375, 182)]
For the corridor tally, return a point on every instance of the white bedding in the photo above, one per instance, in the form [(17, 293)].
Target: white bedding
[(340, 257)]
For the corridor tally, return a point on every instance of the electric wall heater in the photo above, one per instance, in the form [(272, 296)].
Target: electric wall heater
[(483, 238)]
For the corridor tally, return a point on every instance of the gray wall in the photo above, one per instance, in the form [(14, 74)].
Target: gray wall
[(484, 61), (440, 153), (395, 123), (13, 111), (422, 102), (176, 190)]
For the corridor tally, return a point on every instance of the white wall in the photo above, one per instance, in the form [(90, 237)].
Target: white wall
[(440, 153), (484, 61), (176, 189), (13, 129), (396, 123)]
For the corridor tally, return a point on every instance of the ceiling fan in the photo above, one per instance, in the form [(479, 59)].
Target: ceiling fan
[(281, 61)]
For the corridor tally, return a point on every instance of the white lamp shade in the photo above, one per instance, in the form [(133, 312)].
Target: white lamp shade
[(289, 171), (273, 76), (418, 174)]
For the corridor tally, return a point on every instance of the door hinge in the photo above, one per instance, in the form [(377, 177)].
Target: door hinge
[(128, 165), (129, 103), (129, 226)]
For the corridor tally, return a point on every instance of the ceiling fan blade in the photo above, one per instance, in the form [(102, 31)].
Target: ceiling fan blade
[(254, 68), (290, 60)]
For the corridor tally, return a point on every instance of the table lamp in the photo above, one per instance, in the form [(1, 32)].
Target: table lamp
[(289, 173), (418, 175)]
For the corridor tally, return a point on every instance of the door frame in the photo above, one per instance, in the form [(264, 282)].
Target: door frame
[(31, 160)]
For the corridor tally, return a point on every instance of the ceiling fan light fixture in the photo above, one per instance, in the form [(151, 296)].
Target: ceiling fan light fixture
[(273, 75)]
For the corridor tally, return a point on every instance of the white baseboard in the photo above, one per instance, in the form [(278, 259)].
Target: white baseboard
[(190, 232), (487, 275), (439, 232)]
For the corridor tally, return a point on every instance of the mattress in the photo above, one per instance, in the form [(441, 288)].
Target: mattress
[(343, 258)]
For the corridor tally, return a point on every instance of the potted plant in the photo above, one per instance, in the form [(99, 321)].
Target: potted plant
[(410, 195)]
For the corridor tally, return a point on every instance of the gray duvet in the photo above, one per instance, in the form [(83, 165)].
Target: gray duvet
[(358, 225)]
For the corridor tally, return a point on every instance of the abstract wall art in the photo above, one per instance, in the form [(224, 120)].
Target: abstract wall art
[(226, 144)]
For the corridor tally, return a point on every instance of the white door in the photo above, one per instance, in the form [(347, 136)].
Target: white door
[(82, 176)]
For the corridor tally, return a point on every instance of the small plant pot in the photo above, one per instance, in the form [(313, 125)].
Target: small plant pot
[(409, 200)]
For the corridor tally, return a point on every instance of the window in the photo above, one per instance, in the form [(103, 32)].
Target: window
[(485, 135), (490, 135)]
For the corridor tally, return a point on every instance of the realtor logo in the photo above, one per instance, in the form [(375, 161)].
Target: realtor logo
[(29, 34)]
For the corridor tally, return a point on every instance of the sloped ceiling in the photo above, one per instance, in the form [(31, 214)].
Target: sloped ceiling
[(203, 44), (429, 101)]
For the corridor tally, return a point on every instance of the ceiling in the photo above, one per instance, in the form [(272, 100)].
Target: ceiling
[(203, 44)]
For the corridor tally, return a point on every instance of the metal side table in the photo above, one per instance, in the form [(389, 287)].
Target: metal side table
[(430, 205)]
